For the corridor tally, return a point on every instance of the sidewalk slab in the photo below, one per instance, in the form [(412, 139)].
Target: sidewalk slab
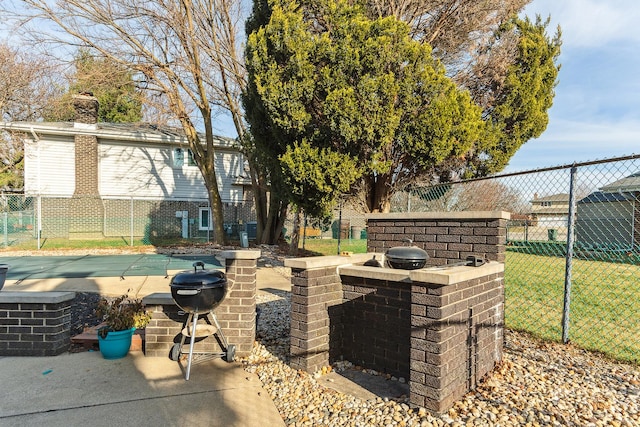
[(85, 389)]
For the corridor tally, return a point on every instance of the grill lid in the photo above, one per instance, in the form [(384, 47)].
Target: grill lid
[(406, 257), (407, 253), (199, 278)]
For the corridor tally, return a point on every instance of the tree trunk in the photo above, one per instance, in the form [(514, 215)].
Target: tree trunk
[(217, 216), (295, 234), (379, 194)]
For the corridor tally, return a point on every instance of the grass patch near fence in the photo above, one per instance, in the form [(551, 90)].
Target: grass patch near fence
[(605, 302), (330, 246), (139, 244)]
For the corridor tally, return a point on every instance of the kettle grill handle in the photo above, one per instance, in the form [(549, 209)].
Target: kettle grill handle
[(198, 264)]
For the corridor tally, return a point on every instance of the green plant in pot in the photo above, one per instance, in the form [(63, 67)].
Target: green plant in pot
[(121, 316)]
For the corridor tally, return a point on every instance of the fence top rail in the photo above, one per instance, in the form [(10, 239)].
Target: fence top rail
[(546, 169)]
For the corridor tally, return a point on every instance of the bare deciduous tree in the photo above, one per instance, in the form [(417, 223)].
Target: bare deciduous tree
[(26, 85), (27, 91), (185, 51), (454, 28)]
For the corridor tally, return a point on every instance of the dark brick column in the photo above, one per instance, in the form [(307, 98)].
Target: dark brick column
[(237, 313), (86, 211), (456, 333), (316, 293)]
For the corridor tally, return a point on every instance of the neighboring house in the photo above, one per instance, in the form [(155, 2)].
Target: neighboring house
[(96, 170), (610, 218), (550, 211)]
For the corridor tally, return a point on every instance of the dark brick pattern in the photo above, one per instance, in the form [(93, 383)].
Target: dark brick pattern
[(236, 315), (456, 338), (445, 240), (314, 293), (443, 339), (35, 329), (374, 327)]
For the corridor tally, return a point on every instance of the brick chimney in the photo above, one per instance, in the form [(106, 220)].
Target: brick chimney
[(86, 106), (86, 210), (86, 146)]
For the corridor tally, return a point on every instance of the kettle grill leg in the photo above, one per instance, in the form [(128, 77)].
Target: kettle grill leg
[(191, 342)]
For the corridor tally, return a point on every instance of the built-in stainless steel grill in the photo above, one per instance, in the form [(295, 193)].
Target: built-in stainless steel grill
[(198, 292)]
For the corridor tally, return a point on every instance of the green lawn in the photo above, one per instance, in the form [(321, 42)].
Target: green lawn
[(605, 302), (330, 246)]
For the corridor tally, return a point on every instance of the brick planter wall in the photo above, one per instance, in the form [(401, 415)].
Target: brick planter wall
[(35, 323), (236, 314)]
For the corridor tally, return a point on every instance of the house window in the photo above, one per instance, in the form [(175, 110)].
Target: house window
[(178, 157), (205, 219), (546, 204)]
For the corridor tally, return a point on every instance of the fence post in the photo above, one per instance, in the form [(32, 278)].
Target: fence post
[(6, 230), (39, 229), (131, 223), (569, 257)]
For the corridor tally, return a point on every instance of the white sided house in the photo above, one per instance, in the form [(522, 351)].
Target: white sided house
[(96, 180)]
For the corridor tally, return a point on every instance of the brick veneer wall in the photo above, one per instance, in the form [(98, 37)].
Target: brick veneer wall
[(375, 324), (446, 236), (236, 314), (456, 337), (35, 323)]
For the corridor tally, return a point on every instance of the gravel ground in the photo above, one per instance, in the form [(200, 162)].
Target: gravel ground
[(536, 384)]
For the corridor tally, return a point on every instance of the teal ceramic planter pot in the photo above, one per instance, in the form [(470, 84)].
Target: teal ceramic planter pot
[(116, 344)]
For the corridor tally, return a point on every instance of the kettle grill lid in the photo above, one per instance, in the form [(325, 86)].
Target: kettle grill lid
[(409, 253), (195, 277)]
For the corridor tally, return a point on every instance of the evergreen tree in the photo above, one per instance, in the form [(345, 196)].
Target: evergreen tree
[(111, 83), (341, 92)]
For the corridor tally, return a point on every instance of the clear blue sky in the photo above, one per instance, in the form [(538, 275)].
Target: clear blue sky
[(596, 111)]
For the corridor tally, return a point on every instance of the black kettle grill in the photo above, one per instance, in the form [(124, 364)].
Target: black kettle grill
[(406, 257), (198, 292)]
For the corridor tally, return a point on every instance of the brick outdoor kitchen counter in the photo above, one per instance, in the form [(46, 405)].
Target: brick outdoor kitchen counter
[(440, 327)]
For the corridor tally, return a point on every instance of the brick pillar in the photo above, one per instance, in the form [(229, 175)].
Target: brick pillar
[(237, 313), (313, 293), (86, 211)]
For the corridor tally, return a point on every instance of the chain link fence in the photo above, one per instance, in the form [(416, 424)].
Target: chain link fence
[(40, 222), (572, 270)]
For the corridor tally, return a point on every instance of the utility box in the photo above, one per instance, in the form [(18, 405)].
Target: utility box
[(244, 239)]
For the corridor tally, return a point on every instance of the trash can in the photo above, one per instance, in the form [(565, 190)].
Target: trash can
[(340, 229), (552, 233), (363, 234), (252, 229), (356, 232), (244, 239)]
